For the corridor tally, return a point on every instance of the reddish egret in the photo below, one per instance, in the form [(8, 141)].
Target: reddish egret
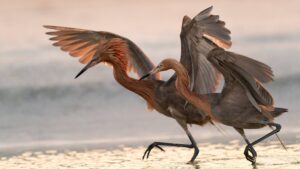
[(244, 103), (94, 47)]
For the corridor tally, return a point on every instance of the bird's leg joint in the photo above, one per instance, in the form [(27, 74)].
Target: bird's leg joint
[(252, 157)]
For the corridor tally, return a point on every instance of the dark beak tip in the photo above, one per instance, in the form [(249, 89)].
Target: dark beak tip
[(80, 73), (89, 65), (145, 76)]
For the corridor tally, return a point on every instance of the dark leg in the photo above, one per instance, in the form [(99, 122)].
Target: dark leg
[(277, 129), (249, 147), (278, 138), (159, 144)]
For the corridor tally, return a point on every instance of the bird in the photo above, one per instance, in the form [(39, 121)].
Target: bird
[(244, 103), (94, 47)]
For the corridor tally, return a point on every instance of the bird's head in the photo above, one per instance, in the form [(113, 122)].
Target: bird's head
[(164, 65), (114, 50)]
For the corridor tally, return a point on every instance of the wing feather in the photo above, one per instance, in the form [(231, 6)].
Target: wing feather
[(260, 71), (233, 64), (198, 37), (85, 43)]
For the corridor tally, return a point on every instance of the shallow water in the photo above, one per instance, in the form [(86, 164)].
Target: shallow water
[(226, 156)]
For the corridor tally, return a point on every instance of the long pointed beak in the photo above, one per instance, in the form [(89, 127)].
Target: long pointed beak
[(145, 76), (89, 65), (153, 71)]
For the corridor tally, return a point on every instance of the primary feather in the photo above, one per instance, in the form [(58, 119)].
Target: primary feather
[(198, 37), (86, 43)]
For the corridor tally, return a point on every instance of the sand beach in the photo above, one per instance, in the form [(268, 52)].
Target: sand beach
[(223, 156)]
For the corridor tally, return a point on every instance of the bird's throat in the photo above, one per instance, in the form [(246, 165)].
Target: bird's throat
[(144, 88), (182, 84)]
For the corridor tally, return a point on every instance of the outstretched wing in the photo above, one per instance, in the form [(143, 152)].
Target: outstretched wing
[(85, 43), (198, 37), (249, 72)]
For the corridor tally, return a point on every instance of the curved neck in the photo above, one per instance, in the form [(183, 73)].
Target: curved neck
[(182, 84), (143, 88)]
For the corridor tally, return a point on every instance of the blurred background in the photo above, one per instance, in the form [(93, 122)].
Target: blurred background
[(43, 106)]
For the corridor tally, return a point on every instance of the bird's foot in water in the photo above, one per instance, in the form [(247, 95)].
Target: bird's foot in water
[(250, 154), (150, 147)]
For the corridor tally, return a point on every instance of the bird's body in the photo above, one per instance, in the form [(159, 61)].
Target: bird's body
[(236, 104), (159, 96), (171, 100), (233, 102)]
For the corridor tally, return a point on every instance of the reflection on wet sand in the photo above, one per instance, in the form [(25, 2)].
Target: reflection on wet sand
[(270, 155)]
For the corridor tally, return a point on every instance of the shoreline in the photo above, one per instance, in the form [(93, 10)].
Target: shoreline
[(10, 150), (270, 155)]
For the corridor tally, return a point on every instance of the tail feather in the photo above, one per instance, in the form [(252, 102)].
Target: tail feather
[(278, 111)]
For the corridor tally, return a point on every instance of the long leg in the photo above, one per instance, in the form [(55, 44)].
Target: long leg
[(277, 129), (159, 144), (248, 148)]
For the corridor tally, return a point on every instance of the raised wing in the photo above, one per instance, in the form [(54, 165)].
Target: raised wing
[(198, 37), (85, 43), (249, 72)]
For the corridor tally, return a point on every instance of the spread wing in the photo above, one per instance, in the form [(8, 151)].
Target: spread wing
[(249, 72), (198, 37), (85, 43)]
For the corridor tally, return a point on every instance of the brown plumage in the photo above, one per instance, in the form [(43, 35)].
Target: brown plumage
[(182, 85), (94, 47), (243, 104), (114, 53)]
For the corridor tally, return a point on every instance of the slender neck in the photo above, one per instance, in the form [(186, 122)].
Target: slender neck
[(182, 84), (143, 88)]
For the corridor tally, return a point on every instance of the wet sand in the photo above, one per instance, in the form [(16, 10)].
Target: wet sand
[(270, 155)]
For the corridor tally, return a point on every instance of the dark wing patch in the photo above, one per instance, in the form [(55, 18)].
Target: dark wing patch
[(213, 28), (228, 65), (198, 37), (258, 70), (85, 44), (261, 95)]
